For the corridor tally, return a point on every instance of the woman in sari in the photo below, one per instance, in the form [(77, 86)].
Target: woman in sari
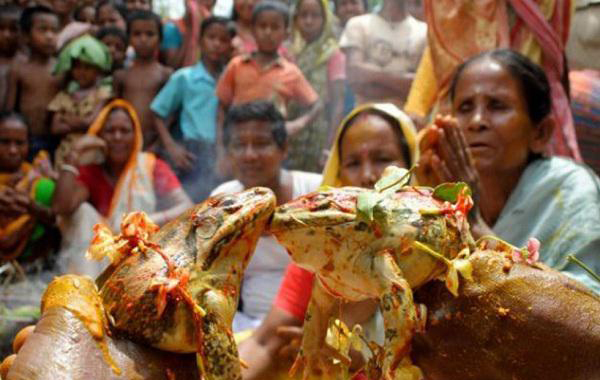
[(495, 142), (317, 54), (26, 191), (371, 137), (28, 235), (106, 176), (458, 30)]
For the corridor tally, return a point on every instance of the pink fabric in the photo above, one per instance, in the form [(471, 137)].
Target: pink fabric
[(336, 66), (565, 140)]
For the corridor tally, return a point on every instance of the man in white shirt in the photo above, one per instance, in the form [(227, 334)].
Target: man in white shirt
[(256, 144), (383, 50)]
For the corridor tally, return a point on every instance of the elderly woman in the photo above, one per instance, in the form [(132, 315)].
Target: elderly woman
[(107, 175), (495, 141)]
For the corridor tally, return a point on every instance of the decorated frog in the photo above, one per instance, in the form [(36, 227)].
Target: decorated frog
[(375, 244), (175, 288)]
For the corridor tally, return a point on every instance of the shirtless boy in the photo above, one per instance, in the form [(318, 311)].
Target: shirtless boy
[(140, 83), (31, 83)]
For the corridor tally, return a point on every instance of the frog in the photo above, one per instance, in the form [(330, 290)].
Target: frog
[(177, 288), (374, 244)]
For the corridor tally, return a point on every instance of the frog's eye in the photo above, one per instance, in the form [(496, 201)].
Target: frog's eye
[(230, 205)]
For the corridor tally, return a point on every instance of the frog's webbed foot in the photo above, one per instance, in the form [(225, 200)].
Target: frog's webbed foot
[(401, 319)]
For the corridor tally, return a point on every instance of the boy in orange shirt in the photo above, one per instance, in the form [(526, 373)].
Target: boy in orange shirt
[(265, 75)]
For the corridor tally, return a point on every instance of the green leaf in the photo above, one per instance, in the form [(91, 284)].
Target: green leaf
[(392, 178), (450, 191), (365, 204)]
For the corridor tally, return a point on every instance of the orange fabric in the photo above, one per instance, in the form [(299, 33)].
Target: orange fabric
[(281, 82), (460, 29), (138, 143)]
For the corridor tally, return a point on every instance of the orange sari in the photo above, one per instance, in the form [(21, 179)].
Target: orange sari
[(459, 29), (133, 192)]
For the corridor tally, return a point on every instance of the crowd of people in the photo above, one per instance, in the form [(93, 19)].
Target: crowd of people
[(110, 108)]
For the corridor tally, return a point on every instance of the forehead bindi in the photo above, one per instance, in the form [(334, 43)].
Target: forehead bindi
[(368, 133)]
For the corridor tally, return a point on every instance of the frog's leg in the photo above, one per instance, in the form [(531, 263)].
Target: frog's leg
[(316, 322), (218, 357), (399, 318)]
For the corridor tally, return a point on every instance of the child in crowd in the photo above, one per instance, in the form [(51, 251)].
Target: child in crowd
[(64, 9), (383, 50), (140, 83), (85, 60), (242, 14), (265, 75), (115, 40), (180, 46), (85, 13), (32, 85), (318, 55), (111, 13), (346, 9), (9, 43), (190, 95), (138, 5)]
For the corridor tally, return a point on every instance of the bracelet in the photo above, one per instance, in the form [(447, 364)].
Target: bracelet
[(70, 168)]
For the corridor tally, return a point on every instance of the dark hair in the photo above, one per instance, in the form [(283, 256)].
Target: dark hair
[(146, 16), (275, 6), (26, 20), (79, 9), (114, 4), (217, 20), (532, 78), (258, 110), (336, 5), (112, 31), (398, 132), (13, 115)]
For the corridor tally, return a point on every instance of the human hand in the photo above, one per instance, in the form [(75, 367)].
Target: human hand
[(87, 150), (293, 337), (445, 156), (14, 202), (182, 158), (18, 342)]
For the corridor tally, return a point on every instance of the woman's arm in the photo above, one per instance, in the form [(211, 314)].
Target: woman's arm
[(174, 204), (296, 125), (69, 193)]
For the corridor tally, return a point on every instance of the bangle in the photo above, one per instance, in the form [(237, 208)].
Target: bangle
[(70, 168)]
